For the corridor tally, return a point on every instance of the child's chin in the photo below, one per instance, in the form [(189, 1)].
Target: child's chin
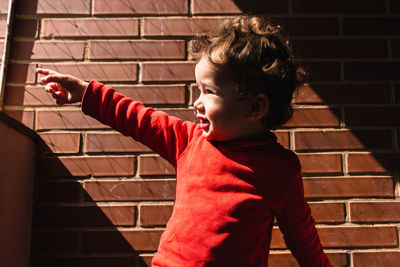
[(210, 137), (207, 135)]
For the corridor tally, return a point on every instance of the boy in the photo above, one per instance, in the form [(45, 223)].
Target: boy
[(233, 178)]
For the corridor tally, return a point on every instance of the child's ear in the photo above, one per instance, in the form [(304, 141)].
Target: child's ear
[(258, 107)]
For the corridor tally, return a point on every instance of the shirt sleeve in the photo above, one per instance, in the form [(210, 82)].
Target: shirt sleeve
[(298, 227), (165, 135)]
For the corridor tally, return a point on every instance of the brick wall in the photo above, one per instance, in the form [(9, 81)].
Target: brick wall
[(103, 199)]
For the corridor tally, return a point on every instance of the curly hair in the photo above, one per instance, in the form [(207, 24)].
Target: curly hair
[(262, 60)]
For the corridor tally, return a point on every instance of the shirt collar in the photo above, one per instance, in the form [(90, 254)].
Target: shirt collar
[(253, 143)]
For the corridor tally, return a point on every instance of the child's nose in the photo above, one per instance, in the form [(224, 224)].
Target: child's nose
[(198, 104)]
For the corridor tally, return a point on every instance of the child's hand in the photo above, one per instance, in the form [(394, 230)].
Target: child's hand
[(64, 88)]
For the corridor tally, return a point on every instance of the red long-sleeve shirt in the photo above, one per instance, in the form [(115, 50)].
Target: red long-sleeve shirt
[(227, 193)]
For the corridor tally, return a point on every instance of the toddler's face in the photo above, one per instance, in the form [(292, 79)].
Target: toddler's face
[(222, 116)]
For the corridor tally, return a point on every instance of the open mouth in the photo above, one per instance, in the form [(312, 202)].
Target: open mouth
[(204, 124)]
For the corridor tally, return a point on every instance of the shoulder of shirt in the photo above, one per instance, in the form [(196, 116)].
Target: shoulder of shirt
[(289, 156)]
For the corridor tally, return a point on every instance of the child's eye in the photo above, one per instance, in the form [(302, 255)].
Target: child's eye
[(209, 91)]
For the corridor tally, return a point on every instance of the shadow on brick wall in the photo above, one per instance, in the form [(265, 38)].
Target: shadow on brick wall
[(260, 7), (70, 228)]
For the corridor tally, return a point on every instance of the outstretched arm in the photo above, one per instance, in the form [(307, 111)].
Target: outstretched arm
[(166, 135)]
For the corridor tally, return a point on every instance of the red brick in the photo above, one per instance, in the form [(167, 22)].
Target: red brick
[(349, 237), (184, 114), (338, 259), (372, 116), (65, 119), (56, 7), (283, 138), (154, 165), (360, 236), (82, 261), (280, 259), (137, 49), (343, 94), (27, 28), (170, 72), (154, 215), (328, 212), (60, 142), (374, 162), (343, 140), (3, 25), (161, 7), (47, 50), (366, 71), (58, 191), (194, 93), (340, 48), (126, 240), (376, 258), (90, 27), (84, 216), (388, 211), (238, 6), (54, 241), (339, 6), (106, 72), (371, 26), (112, 142), (310, 26), (145, 260), (4, 6), (153, 94), (23, 116), (314, 117), (84, 166), (321, 163), (179, 26), (348, 187), (28, 96), (131, 190), (277, 241), (21, 73), (323, 71)]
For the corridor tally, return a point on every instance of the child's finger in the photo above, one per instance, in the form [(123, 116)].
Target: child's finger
[(55, 96), (46, 71), (51, 87), (57, 92), (42, 71), (58, 78), (60, 97)]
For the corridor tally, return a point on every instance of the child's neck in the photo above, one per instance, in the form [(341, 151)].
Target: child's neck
[(254, 135)]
